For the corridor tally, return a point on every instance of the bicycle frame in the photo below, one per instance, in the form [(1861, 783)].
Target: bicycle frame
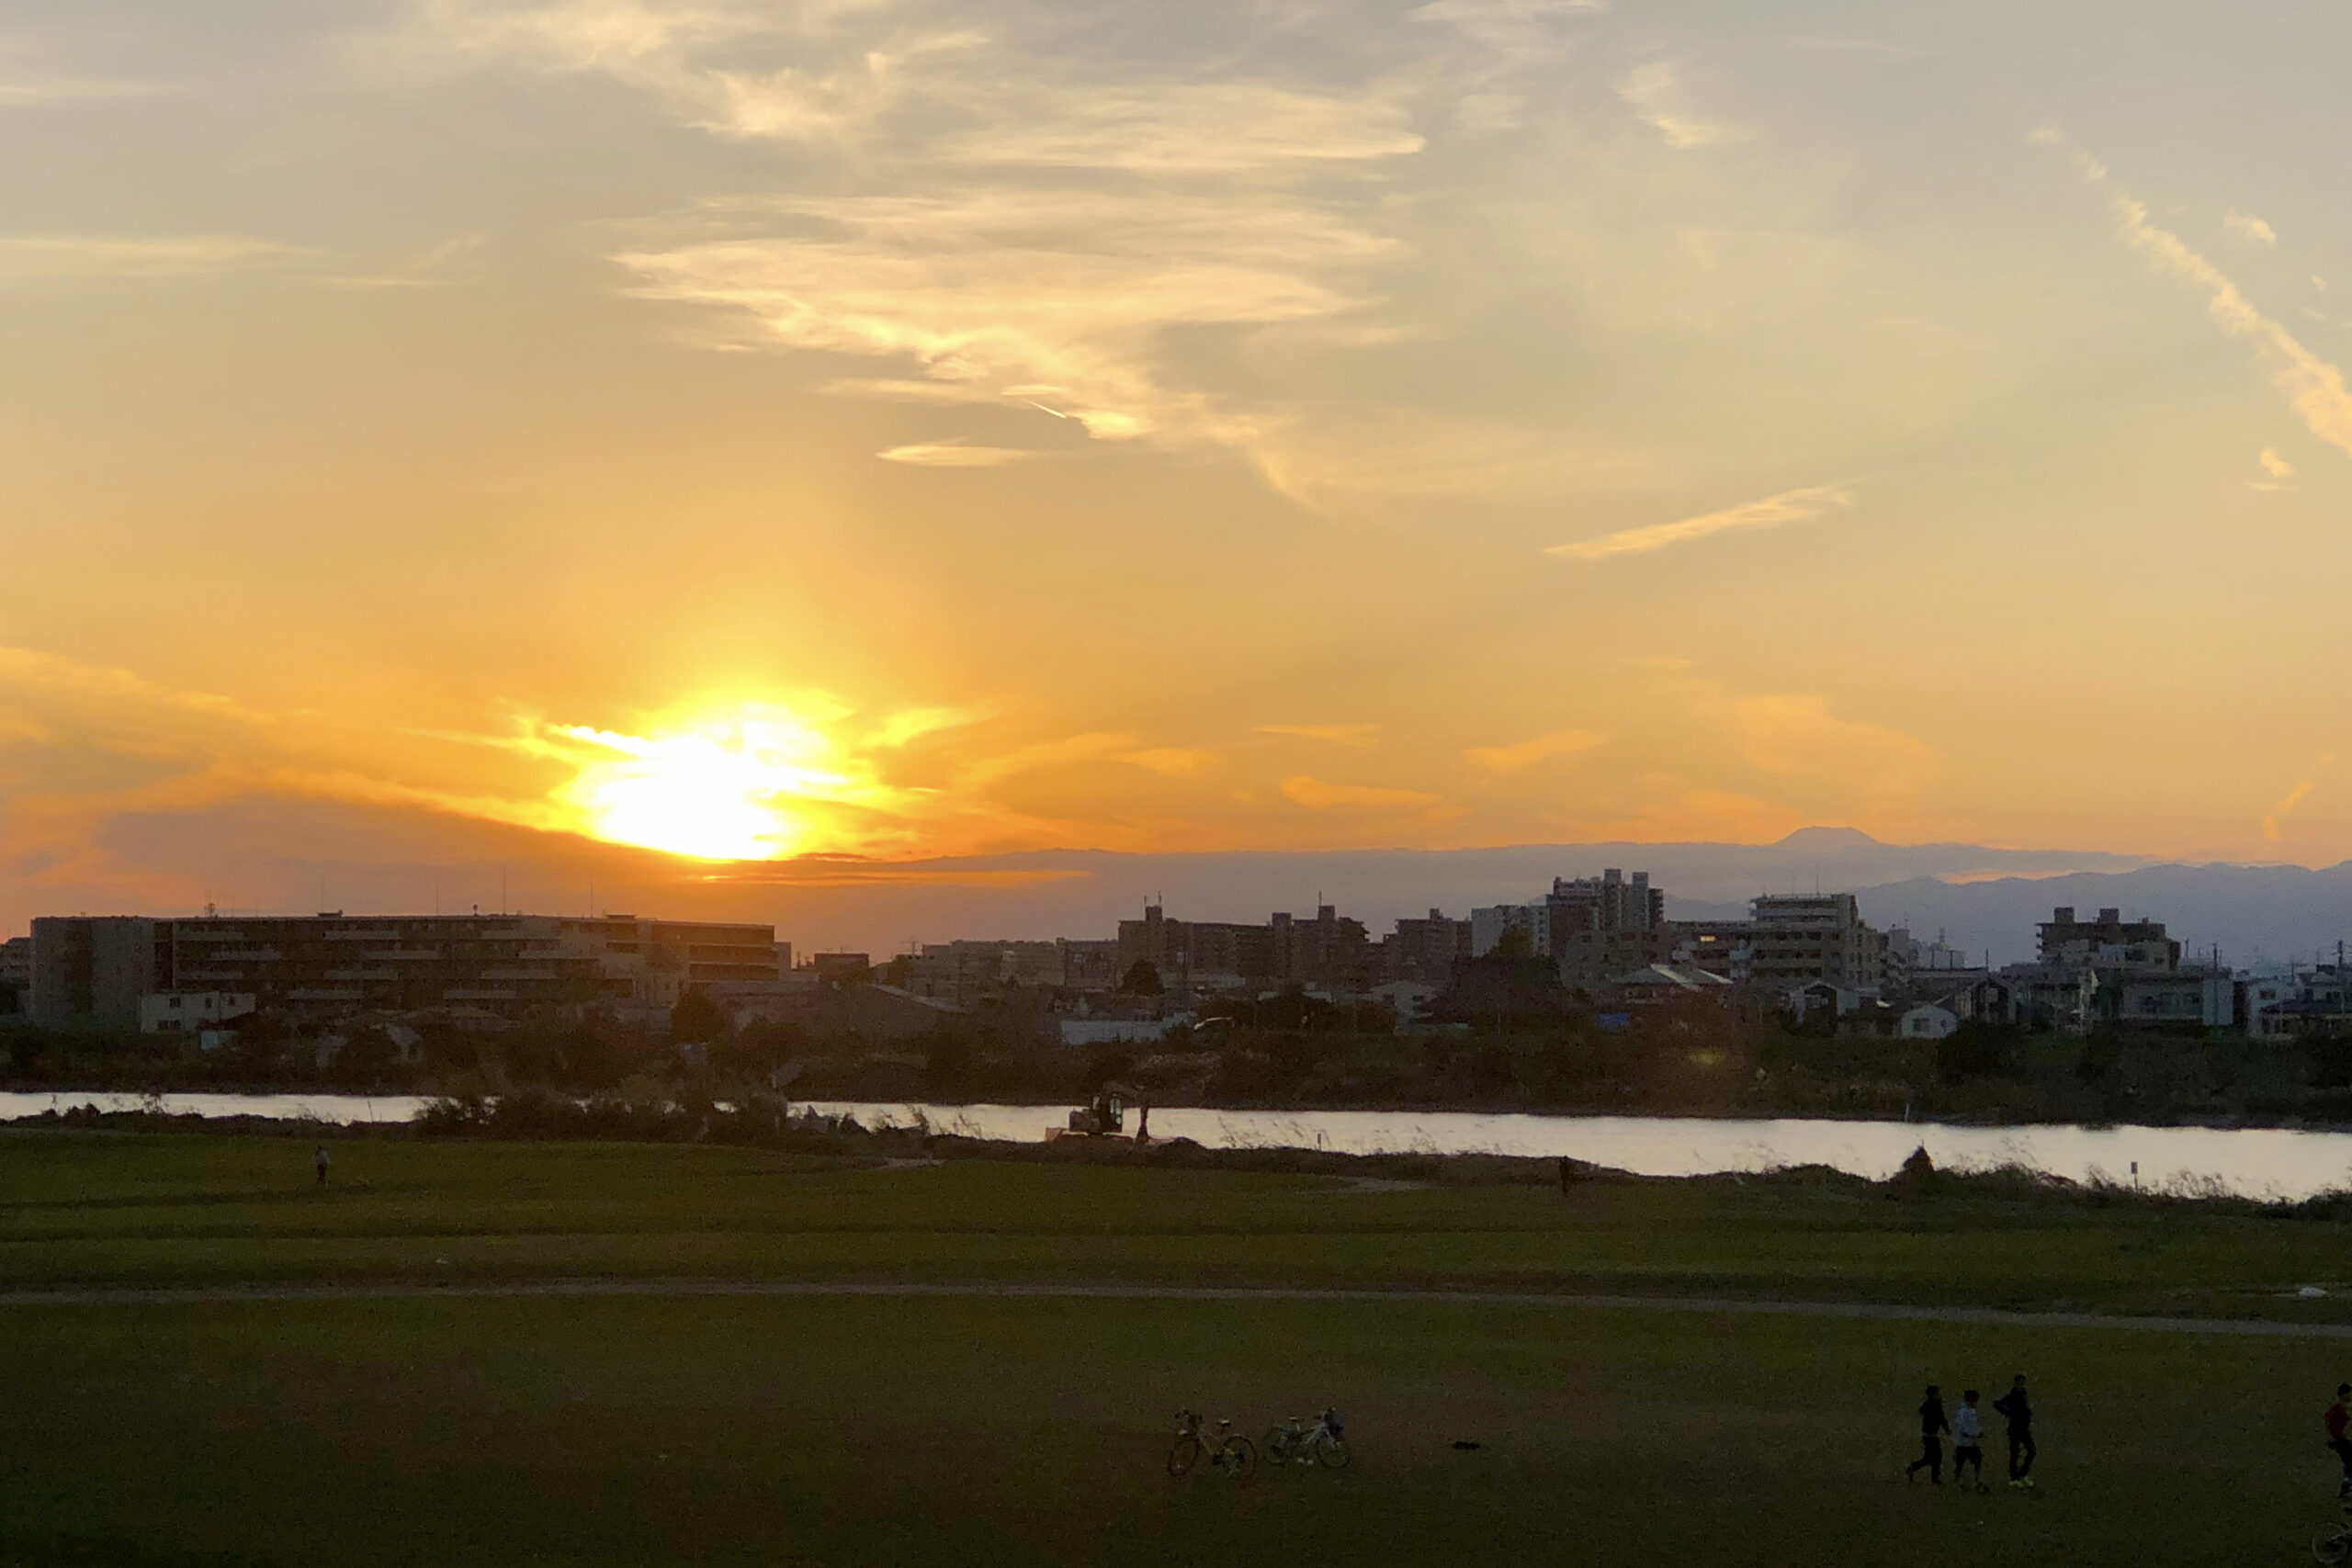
[(1212, 1446)]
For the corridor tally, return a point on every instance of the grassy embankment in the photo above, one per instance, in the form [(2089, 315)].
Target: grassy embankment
[(892, 1430)]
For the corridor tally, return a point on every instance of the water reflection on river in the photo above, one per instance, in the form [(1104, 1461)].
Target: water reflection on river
[(339, 1108), (2255, 1161)]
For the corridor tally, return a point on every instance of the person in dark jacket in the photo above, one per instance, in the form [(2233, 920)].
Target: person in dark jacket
[(1932, 1427), (2019, 1410)]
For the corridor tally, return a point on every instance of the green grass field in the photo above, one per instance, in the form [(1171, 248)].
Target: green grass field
[(650, 1429)]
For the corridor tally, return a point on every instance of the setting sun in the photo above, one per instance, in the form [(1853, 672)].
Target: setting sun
[(737, 788)]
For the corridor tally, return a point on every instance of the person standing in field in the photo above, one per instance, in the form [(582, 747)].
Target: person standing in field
[(2019, 1410), (1932, 1427), (2338, 1421), (319, 1163), (1967, 1441)]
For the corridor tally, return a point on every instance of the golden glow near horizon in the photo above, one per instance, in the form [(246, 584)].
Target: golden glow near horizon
[(1471, 423), (724, 788)]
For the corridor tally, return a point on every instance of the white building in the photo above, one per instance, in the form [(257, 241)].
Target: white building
[(1409, 998), (178, 1013), (1927, 1021), (2264, 992), (1120, 1031), (1488, 926)]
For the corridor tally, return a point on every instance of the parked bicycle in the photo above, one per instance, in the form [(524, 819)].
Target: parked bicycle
[(1227, 1449), (1296, 1442)]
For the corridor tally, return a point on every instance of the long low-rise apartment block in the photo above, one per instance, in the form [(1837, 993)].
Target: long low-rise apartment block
[(97, 972)]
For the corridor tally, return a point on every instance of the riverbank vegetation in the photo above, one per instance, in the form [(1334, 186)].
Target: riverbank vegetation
[(1289, 1052)]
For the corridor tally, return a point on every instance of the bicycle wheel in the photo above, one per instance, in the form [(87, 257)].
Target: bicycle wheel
[(1278, 1444), (1238, 1455), (1185, 1455), (2332, 1545), (1333, 1454)]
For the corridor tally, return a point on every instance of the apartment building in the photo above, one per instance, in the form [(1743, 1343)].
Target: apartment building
[(1424, 951), (2109, 941), (2111, 971), (16, 976), (1720, 947), (1332, 951), (91, 972), (1800, 939), (1489, 925), (1610, 903), (97, 972)]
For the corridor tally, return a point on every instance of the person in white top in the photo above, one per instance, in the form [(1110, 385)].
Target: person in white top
[(1967, 1441)]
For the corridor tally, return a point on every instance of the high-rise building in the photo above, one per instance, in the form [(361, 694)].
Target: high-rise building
[(1606, 903), (1599, 928)]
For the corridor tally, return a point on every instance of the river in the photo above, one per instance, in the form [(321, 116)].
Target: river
[(2255, 1161)]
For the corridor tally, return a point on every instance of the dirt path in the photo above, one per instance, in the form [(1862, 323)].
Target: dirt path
[(1860, 1310)]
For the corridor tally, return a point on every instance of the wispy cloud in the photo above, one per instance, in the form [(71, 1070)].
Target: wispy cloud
[(1798, 735), (22, 94), (2280, 469), (2313, 387), (1195, 128), (953, 454), (1146, 245), (434, 268), (1175, 761), (1772, 511), (25, 257), (1363, 736), (1655, 93), (2248, 229), (1538, 748), (1067, 294), (1520, 27), (1317, 796), (1882, 48), (2274, 821)]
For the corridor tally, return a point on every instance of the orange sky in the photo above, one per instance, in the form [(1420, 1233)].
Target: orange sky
[(756, 429)]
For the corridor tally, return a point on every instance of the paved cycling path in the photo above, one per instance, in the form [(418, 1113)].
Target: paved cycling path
[(1860, 1310)]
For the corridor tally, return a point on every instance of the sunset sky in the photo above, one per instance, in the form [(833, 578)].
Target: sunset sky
[(434, 431)]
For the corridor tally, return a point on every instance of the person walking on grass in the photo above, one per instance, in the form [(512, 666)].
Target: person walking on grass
[(1932, 1427), (2019, 1410), (2338, 1421), (1967, 1442), (319, 1163)]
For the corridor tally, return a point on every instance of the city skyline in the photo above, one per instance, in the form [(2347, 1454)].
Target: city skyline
[(462, 434)]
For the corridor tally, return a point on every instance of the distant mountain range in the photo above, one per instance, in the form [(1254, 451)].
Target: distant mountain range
[(1980, 899)]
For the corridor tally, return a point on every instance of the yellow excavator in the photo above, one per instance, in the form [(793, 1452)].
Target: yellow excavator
[(1105, 1116)]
